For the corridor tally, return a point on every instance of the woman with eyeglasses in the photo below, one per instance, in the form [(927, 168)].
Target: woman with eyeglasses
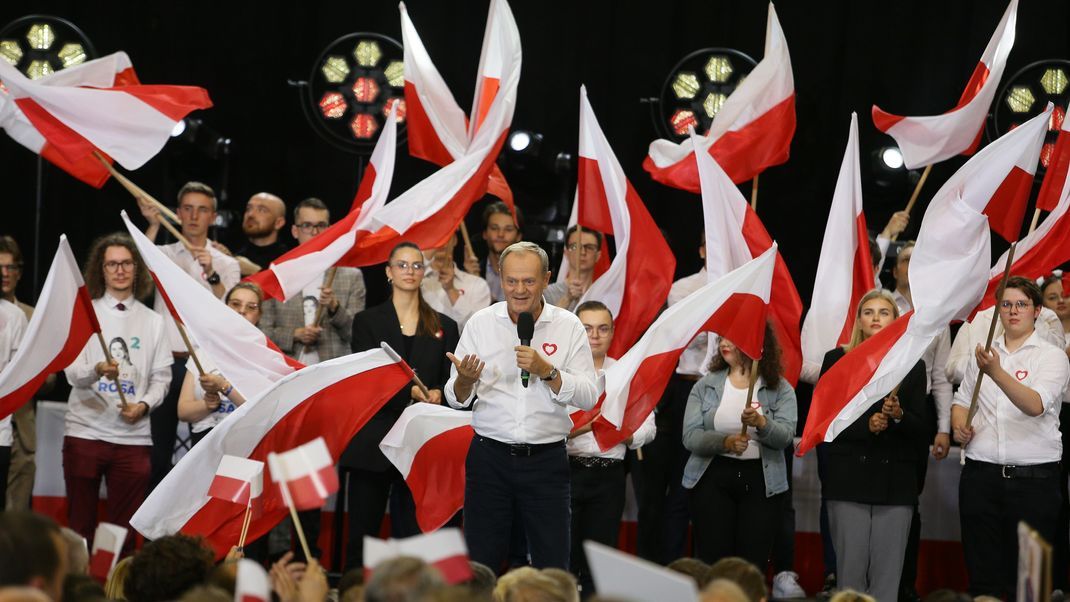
[(421, 336), (1013, 446), (870, 482), (206, 399), (583, 249)]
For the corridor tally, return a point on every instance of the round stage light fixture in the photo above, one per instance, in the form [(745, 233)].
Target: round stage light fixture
[(1026, 94), (891, 157), (519, 141), (696, 89), (40, 45)]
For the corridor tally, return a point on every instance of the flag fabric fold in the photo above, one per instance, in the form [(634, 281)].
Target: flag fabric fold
[(948, 272), (931, 139), (752, 130), (332, 400), (445, 550), (108, 542), (59, 329), (305, 474)]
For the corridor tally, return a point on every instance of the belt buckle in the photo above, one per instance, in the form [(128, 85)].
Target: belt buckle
[(520, 449), (1005, 473)]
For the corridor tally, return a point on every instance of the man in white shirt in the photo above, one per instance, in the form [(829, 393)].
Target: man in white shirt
[(517, 468), (1013, 446), (450, 291), (499, 231), (105, 439), (212, 269), (584, 249), (12, 328), (598, 477)]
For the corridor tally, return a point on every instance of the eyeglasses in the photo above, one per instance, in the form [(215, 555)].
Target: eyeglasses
[(114, 266), (603, 331), (240, 307), (588, 248), (1019, 305), (312, 227), (10, 267), (404, 266)]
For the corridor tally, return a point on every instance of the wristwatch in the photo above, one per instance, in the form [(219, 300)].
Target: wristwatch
[(213, 279), (552, 375)]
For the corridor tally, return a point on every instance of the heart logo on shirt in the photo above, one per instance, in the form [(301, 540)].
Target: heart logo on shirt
[(549, 348), (1021, 374)]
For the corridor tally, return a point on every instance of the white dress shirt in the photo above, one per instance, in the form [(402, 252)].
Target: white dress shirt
[(474, 295), (693, 359), (1003, 434), (12, 328), (224, 265), (586, 445), (144, 375), (975, 332), (504, 409)]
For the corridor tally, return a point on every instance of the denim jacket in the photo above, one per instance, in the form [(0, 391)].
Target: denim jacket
[(778, 407)]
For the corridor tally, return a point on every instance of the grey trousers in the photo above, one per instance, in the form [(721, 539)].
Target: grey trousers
[(870, 542)]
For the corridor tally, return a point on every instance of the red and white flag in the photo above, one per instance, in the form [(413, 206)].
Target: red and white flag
[(1051, 189), (58, 331), (238, 480), (734, 306), (735, 235), (301, 266), (332, 400), (251, 584), (244, 354), (428, 445), (129, 122), (445, 550), (438, 129), (931, 139), (751, 132), (305, 474), (107, 545), (948, 272), (635, 286), (845, 269), (105, 72)]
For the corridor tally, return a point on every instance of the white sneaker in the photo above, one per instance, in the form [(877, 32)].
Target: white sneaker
[(786, 586)]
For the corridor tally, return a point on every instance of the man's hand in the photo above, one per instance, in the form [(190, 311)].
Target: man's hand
[(283, 579), (751, 417), (445, 276), (133, 412), (468, 369), (891, 408), (987, 361), (896, 225), (878, 422), (736, 443), (963, 434), (575, 288), (471, 264), (530, 360), (328, 300), (313, 585), (109, 370), (308, 335), (941, 445), (435, 396), (149, 211), (204, 258)]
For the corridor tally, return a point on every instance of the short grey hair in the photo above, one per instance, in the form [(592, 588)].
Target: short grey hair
[(525, 247), (402, 578)]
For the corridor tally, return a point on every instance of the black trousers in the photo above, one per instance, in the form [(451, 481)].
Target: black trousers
[(597, 506), (908, 579), (501, 488), (990, 507), (783, 555), (1061, 553), (663, 514), (164, 423), (367, 494), (828, 551), (730, 513)]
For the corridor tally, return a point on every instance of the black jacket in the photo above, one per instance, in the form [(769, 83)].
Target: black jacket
[(427, 357)]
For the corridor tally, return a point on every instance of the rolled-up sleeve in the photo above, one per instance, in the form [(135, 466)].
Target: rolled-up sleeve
[(1052, 380)]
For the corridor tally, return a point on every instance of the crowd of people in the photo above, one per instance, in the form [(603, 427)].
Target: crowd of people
[(713, 458)]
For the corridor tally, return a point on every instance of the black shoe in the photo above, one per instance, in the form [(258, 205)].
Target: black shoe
[(829, 588)]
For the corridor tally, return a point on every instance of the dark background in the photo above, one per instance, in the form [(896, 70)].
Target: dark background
[(911, 57)]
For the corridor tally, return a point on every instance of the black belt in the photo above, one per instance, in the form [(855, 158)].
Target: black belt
[(688, 377), (1011, 471), (593, 462), (521, 449)]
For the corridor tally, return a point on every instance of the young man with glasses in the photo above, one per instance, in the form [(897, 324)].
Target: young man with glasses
[(105, 439), (583, 249), (499, 231), (1013, 445)]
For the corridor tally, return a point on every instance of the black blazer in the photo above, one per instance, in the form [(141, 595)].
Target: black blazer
[(428, 358), (879, 469)]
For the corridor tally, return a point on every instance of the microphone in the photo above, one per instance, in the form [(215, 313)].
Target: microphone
[(525, 329)]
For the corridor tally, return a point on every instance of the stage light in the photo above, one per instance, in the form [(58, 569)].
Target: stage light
[(1020, 99), (395, 74), (41, 36), (891, 157), (364, 126), (1026, 94), (178, 129), (38, 69), (388, 105), (72, 54), (333, 105), (335, 69), (696, 89), (367, 53), (40, 45), (1053, 81), (365, 90), (519, 141)]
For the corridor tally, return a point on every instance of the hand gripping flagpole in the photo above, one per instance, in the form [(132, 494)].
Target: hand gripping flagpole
[(753, 378), (140, 196), (405, 366), (328, 281), (109, 359)]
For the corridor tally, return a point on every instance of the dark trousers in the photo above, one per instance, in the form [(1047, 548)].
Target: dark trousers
[(990, 507), (730, 513), (1061, 553), (5, 464), (828, 551), (909, 578), (164, 420), (663, 514), (597, 506), (784, 539), (501, 488), (367, 495), (125, 470)]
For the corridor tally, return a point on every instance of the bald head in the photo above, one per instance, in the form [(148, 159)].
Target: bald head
[(265, 215)]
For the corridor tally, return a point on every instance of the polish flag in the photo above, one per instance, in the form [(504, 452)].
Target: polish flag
[(105, 72), (128, 121), (635, 286), (301, 266), (59, 329), (332, 400), (927, 140), (244, 354), (445, 550), (600, 267), (751, 132), (734, 306), (438, 129), (845, 269), (305, 474), (948, 272), (107, 545), (251, 583), (1055, 177), (238, 480), (735, 235), (428, 445)]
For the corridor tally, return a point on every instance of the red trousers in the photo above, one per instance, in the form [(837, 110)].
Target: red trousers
[(125, 470)]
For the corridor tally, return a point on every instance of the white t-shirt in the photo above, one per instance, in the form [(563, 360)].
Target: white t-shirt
[(137, 340), (12, 328), (226, 406), (727, 417), (224, 265)]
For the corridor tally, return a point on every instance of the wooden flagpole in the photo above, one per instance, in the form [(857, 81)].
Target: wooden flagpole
[(139, 194), (245, 524), (917, 191), (284, 483), (469, 251), (750, 389), (991, 332), (189, 347), (754, 193), (1036, 220)]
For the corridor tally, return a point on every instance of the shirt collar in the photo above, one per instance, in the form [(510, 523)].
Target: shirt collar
[(110, 302), (1032, 341), (501, 310)]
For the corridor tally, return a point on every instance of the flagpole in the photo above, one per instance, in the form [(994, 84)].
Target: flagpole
[(750, 390), (991, 333), (189, 347), (327, 282), (917, 191), (284, 483), (245, 525), (107, 356), (139, 194), (405, 366), (754, 193), (469, 251), (1036, 219)]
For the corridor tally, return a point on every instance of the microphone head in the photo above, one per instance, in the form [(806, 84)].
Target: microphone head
[(525, 326)]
